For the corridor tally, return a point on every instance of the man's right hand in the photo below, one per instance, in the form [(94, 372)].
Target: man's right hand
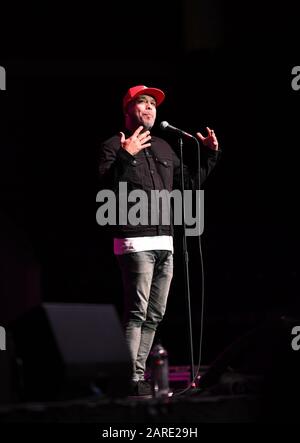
[(138, 141)]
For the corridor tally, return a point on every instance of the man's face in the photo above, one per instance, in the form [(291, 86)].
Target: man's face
[(142, 111)]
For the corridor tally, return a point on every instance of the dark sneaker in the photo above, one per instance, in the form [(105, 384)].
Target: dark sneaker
[(144, 387), (140, 388)]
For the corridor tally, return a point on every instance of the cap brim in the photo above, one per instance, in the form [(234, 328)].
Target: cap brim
[(158, 94)]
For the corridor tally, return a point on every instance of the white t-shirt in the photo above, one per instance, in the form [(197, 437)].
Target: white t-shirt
[(139, 244)]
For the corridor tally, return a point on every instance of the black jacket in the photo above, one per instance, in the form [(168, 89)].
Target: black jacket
[(154, 168)]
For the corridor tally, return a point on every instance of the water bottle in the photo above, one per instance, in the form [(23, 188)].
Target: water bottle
[(159, 372)]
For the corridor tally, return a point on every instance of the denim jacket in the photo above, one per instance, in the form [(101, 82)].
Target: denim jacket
[(155, 168)]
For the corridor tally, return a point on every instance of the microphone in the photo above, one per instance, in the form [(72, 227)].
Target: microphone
[(166, 126)]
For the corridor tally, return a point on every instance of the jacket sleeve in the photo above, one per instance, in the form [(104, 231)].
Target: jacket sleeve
[(208, 160), (112, 165)]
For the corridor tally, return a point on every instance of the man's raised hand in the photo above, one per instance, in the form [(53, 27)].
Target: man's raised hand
[(136, 142), (210, 140)]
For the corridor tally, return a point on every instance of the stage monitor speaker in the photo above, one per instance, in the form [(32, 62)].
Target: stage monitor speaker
[(67, 350)]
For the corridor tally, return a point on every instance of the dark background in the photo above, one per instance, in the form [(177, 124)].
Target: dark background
[(68, 68)]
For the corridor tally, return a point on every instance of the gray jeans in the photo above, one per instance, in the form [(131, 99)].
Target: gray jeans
[(146, 279)]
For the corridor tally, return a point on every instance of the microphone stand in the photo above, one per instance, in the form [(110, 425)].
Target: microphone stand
[(186, 267)]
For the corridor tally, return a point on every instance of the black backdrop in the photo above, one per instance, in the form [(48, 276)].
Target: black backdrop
[(67, 70)]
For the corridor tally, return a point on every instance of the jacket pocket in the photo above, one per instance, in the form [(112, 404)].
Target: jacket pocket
[(165, 167)]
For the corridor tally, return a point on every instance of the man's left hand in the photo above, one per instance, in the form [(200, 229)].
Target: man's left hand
[(210, 140)]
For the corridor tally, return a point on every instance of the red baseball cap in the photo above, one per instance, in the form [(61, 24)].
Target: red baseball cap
[(135, 91)]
